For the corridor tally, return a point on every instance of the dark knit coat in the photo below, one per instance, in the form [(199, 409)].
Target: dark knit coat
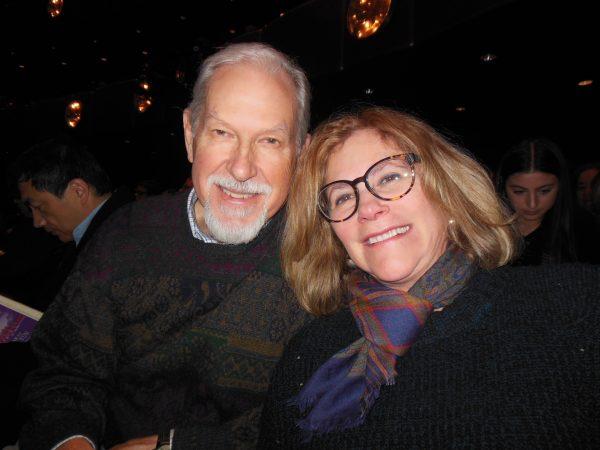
[(19, 354), (156, 330), (514, 362)]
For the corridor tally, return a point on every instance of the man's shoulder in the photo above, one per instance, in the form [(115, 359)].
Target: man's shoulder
[(142, 221), (159, 211)]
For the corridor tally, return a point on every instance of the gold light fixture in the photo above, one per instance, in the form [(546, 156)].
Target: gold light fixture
[(73, 113), (365, 17), (142, 99), (55, 8), (180, 75), (584, 83), (143, 102), (145, 85)]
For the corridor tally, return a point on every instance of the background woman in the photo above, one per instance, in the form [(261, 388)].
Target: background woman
[(396, 236), (534, 179)]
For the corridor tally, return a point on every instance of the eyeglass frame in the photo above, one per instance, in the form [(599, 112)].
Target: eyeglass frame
[(411, 158)]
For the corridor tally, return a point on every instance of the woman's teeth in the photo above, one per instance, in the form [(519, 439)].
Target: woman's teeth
[(388, 234)]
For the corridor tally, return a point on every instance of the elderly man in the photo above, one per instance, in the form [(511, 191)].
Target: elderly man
[(176, 314)]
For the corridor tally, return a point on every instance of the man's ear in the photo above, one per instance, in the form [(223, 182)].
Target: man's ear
[(79, 188), (306, 142), (188, 134)]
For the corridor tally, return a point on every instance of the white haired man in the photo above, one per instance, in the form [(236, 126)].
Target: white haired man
[(176, 313)]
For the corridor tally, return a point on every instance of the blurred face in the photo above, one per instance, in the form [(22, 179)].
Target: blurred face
[(242, 151), (584, 187), (531, 195), (57, 215), (395, 241)]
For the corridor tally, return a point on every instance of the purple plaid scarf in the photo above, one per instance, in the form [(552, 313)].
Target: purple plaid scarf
[(342, 391)]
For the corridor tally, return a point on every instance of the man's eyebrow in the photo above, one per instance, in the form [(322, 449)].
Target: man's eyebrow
[(211, 115), (282, 128), (279, 128)]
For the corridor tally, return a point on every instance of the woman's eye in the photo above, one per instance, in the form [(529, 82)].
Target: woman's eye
[(341, 199), (389, 178), (518, 192)]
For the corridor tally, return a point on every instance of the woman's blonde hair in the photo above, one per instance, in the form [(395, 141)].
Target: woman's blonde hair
[(315, 261)]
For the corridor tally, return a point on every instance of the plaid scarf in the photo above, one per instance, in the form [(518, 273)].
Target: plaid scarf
[(342, 391)]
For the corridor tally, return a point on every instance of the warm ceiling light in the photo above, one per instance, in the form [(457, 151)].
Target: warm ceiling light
[(73, 113), (460, 109), (585, 83), (365, 17), (143, 101), (145, 85), (55, 8), (488, 57), (180, 75)]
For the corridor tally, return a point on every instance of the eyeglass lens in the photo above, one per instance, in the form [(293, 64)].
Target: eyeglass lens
[(389, 179)]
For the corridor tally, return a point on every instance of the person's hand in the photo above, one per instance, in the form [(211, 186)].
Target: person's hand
[(143, 443), (77, 443)]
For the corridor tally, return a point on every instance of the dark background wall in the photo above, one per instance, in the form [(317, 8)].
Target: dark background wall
[(426, 59)]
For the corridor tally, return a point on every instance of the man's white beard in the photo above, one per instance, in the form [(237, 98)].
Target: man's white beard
[(234, 233)]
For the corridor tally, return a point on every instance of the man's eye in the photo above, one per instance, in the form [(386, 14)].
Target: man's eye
[(219, 132), (271, 141)]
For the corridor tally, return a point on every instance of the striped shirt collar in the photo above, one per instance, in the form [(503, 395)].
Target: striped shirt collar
[(196, 231)]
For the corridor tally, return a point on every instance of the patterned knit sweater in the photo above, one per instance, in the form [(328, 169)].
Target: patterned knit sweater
[(156, 330), (514, 362)]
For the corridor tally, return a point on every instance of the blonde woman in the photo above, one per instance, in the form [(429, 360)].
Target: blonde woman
[(397, 239)]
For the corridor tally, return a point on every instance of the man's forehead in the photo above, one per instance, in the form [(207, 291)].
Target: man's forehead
[(26, 189), (212, 115), (29, 193)]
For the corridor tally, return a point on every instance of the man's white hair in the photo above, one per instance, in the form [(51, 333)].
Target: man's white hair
[(267, 58)]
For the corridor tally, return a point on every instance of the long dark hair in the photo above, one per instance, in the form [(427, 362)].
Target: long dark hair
[(543, 155)]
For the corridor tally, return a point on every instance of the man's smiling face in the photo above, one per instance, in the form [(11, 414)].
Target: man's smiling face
[(242, 151)]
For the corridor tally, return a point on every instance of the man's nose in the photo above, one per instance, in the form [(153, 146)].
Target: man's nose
[(242, 164), (38, 219)]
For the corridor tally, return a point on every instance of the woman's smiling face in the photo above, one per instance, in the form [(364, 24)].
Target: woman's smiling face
[(395, 241)]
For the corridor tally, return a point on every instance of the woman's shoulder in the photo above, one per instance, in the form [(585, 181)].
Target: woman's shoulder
[(576, 276), (334, 331), (569, 290)]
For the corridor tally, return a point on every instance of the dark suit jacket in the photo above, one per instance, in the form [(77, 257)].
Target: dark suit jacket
[(119, 197)]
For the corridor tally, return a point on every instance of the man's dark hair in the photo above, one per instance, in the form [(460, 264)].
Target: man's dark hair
[(52, 164)]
